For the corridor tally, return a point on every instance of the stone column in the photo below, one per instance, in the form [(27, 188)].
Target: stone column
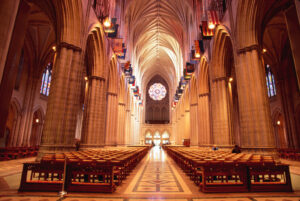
[(111, 119), (290, 123), (12, 54), (220, 113), (194, 124), (297, 3), (132, 129), (255, 119), (187, 125), (204, 120), (127, 127), (121, 124), (94, 123), (293, 29), (24, 132), (8, 14), (64, 101)]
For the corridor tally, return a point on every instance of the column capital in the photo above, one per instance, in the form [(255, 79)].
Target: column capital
[(219, 79), (203, 94), (94, 77), (112, 94), (69, 46), (248, 49)]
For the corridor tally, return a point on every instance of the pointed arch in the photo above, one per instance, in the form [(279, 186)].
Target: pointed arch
[(96, 53), (113, 76), (37, 126), (69, 17)]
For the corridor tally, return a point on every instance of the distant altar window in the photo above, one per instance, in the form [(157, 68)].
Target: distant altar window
[(270, 82), (157, 91), (46, 80)]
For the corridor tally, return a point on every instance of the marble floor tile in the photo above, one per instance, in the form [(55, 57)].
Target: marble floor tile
[(157, 175), (278, 199), (29, 198), (93, 199), (223, 199)]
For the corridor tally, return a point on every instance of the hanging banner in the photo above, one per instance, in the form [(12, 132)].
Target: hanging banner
[(206, 32), (190, 68), (212, 17), (132, 80), (117, 46), (123, 54)]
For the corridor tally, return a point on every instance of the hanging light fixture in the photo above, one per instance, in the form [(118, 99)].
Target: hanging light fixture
[(107, 22)]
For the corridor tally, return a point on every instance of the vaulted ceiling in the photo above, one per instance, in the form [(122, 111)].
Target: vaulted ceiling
[(158, 35)]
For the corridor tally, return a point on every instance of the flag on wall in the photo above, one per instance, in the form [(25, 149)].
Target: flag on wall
[(127, 69), (190, 68), (206, 32), (123, 54), (117, 46), (132, 80), (136, 91), (112, 31), (213, 17)]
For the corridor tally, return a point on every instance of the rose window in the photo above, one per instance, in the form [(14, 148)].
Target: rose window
[(157, 91)]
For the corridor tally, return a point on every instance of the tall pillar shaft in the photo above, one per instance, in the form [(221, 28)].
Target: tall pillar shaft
[(23, 135), (63, 102), (12, 55), (220, 113), (293, 29), (94, 124), (203, 120), (255, 120), (8, 14), (187, 125), (128, 127), (121, 124), (111, 119), (194, 124)]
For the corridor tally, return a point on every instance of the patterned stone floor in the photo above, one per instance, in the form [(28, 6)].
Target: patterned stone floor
[(156, 178)]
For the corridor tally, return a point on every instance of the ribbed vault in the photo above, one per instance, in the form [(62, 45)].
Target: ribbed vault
[(158, 36)]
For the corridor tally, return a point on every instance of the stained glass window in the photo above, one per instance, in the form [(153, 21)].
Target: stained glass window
[(46, 80), (157, 91), (270, 82)]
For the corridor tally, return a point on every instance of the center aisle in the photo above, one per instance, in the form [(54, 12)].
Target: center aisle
[(157, 175)]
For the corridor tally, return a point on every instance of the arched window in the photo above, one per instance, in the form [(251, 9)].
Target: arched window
[(46, 80), (270, 82)]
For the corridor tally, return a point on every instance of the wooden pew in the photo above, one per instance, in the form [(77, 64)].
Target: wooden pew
[(270, 177)]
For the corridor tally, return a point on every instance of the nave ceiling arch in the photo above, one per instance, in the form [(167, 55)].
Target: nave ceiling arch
[(159, 37)]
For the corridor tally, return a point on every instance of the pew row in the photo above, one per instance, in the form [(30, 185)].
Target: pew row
[(83, 171), (222, 171)]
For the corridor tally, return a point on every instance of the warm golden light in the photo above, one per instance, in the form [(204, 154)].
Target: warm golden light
[(278, 123), (197, 55), (230, 79), (54, 48), (86, 78), (107, 22), (211, 26), (264, 50), (37, 120)]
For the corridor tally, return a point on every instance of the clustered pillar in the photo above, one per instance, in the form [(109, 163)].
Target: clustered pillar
[(255, 122), (63, 102), (112, 119), (94, 124), (220, 113)]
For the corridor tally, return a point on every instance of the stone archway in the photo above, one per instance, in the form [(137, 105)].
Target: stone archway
[(36, 129), (93, 134)]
